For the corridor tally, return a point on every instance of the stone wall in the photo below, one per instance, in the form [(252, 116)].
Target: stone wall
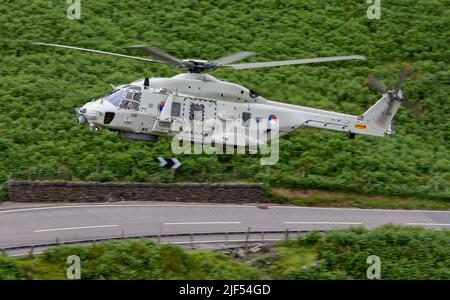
[(48, 191)]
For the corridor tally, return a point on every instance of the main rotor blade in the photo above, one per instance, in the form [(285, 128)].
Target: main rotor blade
[(165, 57), (403, 75), (292, 62), (232, 57), (100, 52), (376, 85)]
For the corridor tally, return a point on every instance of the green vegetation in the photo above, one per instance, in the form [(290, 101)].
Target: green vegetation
[(405, 253), (141, 259), (40, 87), (345, 199)]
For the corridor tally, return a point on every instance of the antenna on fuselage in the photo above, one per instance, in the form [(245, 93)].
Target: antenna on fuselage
[(146, 83)]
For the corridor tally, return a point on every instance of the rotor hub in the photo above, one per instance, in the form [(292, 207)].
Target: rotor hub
[(193, 66), (396, 95)]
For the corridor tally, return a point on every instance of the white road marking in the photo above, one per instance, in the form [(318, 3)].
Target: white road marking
[(123, 205), (202, 223), (74, 228), (212, 205), (428, 224), (332, 223)]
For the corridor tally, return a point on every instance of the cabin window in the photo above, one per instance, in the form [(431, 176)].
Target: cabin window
[(197, 112), (176, 109), (246, 116)]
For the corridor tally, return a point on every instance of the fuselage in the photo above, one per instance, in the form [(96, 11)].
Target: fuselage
[(193, 106)]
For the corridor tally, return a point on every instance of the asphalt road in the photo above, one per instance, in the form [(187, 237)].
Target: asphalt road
[(35, 225)]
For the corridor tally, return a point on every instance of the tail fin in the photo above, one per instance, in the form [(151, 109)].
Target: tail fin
[(378, 117)]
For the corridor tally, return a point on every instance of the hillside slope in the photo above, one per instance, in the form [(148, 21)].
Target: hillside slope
[(40, 139)]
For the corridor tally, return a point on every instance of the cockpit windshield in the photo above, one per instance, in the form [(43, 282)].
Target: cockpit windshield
[(114, 97), (128, 97)]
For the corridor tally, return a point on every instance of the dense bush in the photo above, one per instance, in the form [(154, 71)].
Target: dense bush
[(9, 269), (144, 260), (404, 252), (40, 139)]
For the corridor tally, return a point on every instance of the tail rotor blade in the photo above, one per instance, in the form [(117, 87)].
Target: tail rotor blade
[(376, 85), (403, 75), (419, 110), (413, 108)]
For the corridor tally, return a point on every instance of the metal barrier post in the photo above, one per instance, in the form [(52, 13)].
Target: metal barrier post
[(246, 238), (160, 233)]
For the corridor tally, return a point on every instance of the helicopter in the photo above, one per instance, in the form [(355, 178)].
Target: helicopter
[(194, 105)]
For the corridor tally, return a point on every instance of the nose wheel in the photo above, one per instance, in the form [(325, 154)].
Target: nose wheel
[(93, 127)]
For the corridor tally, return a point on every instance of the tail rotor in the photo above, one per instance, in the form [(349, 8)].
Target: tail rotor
[(395, 94)]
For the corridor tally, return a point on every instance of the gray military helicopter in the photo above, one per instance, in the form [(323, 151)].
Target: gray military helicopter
[(152, 107)]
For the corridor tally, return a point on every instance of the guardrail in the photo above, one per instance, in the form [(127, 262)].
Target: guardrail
[(160, 236)]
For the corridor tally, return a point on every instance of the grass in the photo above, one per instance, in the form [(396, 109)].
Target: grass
[(38, 269), (129, 259), (319, 198), (282, 258)]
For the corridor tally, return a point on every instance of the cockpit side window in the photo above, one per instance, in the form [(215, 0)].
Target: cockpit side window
[(129, 95), (132, 98), (137, 97)]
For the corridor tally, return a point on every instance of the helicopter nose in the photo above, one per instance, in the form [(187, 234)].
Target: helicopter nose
[(96, 112), (80, 117), (90, 113)]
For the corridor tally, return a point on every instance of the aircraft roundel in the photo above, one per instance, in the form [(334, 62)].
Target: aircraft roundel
[(161, 105), (273, 117)]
